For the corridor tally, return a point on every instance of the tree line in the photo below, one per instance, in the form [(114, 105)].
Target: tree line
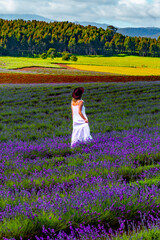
[(28, 38)]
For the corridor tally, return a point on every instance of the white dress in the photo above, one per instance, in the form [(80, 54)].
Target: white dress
[(81, 130)]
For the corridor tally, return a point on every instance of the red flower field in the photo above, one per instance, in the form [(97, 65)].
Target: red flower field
[(22, 78)]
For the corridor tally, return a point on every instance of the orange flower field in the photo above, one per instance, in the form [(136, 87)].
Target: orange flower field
[(12, 78)]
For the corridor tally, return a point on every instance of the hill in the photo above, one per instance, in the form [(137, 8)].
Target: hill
[(26, 38), (98, 25), (25, 17), (149, 32)]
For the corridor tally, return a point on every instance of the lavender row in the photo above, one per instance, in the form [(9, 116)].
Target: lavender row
[(47, 183), (89, 232)]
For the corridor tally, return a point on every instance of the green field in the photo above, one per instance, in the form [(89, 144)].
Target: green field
[(118, 61), (32, 112), (20, 62)]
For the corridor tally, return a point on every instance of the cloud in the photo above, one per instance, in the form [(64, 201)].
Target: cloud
[(154, 11), (140, 12), (7, 6), (129, 12)]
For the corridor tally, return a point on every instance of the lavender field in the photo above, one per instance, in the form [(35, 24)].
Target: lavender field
[(108, 188)]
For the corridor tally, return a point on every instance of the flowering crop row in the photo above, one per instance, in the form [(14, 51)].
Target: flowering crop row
[(131, 71), (30, 112), (21, 78), (110, 182)]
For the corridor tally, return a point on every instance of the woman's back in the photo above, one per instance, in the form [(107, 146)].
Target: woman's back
[(75, 109)]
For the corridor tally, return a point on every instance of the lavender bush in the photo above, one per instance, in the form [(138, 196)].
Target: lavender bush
[(108, 188), (106, 182)]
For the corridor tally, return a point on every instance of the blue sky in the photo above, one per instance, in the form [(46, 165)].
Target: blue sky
[(120, 13)]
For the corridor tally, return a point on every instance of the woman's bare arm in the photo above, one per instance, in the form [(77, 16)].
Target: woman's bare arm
[(80, 111)]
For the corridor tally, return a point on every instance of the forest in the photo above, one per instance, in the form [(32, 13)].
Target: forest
[(29, 38)]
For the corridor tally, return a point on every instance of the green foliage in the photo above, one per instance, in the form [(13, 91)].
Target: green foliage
[(44, 55), (73, 58), (35, 55), (144, 234), (52, 53), (66, 56), (26, 38), (1, 126)]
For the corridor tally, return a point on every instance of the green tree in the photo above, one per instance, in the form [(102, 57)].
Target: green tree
[(143, 47), (52, 53), (112, 28), (112, 46), (119, 42), (65, 56), (129, 44), (72, 44), (153, 49), (36, 37), (73, 58), (44, 55)]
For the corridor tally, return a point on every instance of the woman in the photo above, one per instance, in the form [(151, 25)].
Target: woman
[(81, 130)]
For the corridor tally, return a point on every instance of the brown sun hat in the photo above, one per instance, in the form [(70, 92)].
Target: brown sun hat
[(77, 93)]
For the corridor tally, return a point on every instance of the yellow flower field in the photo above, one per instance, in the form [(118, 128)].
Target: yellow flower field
[(137, 71)]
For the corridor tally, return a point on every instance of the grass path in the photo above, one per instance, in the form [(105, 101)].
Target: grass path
[(20, 62)]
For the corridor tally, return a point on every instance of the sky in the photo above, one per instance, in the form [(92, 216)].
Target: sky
[(119, 13)]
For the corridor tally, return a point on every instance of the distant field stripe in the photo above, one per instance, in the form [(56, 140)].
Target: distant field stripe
[(138, 71), (21, 78)]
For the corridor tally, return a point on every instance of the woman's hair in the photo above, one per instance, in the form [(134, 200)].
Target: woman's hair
[(75, 99)]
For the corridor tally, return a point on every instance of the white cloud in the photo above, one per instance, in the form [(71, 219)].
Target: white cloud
[(7, 6), (121, 12), (133, 2), (154, 11)]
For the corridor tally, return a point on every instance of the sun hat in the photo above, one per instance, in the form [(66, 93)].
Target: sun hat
[(77, 93)]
